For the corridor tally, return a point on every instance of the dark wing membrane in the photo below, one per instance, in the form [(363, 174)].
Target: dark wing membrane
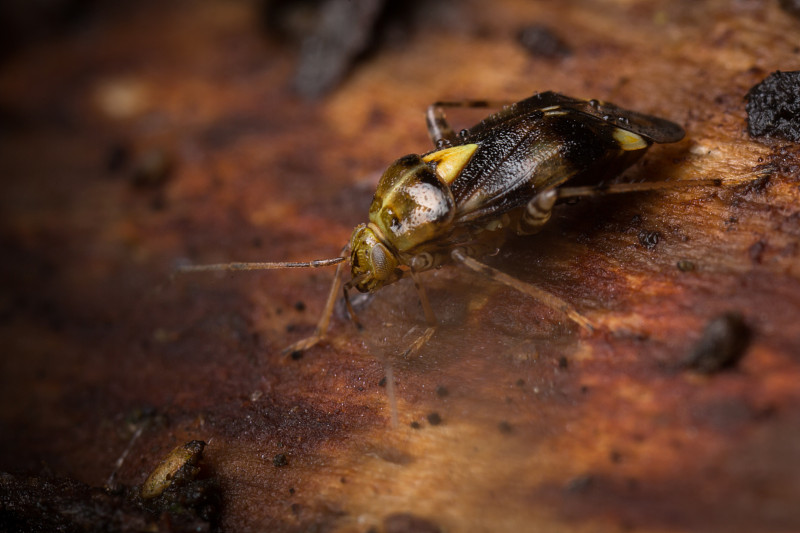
[(652, 128), (656, 129), (512, 112)]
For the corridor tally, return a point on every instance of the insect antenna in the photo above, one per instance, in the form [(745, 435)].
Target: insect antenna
[(183, 269)]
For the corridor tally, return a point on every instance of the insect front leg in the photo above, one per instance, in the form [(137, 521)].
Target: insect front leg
[(439, 130), (550, 300), (324, 319)]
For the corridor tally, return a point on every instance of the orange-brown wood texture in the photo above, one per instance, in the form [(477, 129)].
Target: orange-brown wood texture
[(153, 134)]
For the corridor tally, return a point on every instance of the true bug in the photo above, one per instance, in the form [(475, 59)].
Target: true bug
[(457, 202)]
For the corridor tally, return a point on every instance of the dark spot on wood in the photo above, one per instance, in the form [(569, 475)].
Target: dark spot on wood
[(434, 419), (152, 169), (280, 460), (791, 6), (756, 251), (579, 484), (722, 345), (117, 157), (649, 239), (766, 412), (408, 523), (542, 42)]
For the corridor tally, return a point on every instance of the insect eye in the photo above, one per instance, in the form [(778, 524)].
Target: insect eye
[(383, 263), (395, 223)]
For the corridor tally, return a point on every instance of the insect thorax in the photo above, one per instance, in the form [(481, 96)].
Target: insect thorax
[(412, 206)]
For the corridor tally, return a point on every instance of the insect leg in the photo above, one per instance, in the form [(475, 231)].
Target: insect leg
[(550, 300), (324, 319), (439, 129), (617, 188), (430, 318), (537, 212)]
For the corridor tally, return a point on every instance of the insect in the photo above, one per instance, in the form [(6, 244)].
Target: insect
[(458, 202)]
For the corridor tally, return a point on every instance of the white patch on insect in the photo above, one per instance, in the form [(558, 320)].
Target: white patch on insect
[(429, 204)]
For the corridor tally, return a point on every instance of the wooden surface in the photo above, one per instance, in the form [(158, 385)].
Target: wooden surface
[(151, 136)]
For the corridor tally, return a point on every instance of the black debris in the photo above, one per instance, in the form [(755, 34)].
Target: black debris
[(773, 107)]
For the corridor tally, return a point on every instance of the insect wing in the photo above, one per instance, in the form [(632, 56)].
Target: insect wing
[(537, 144), (533, 145), (512, 165), (656, 129)]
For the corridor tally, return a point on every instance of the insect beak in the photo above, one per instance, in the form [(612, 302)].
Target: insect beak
[(345, 289), (356, 281)]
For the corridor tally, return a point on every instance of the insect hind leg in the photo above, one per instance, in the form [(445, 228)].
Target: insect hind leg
[(619, 188), (550, 300)]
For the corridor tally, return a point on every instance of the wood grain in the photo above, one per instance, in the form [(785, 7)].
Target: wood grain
[(510, 419)]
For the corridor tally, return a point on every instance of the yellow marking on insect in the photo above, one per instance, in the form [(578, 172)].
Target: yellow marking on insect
[(628, 141), (451, 161), (554, 111)]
